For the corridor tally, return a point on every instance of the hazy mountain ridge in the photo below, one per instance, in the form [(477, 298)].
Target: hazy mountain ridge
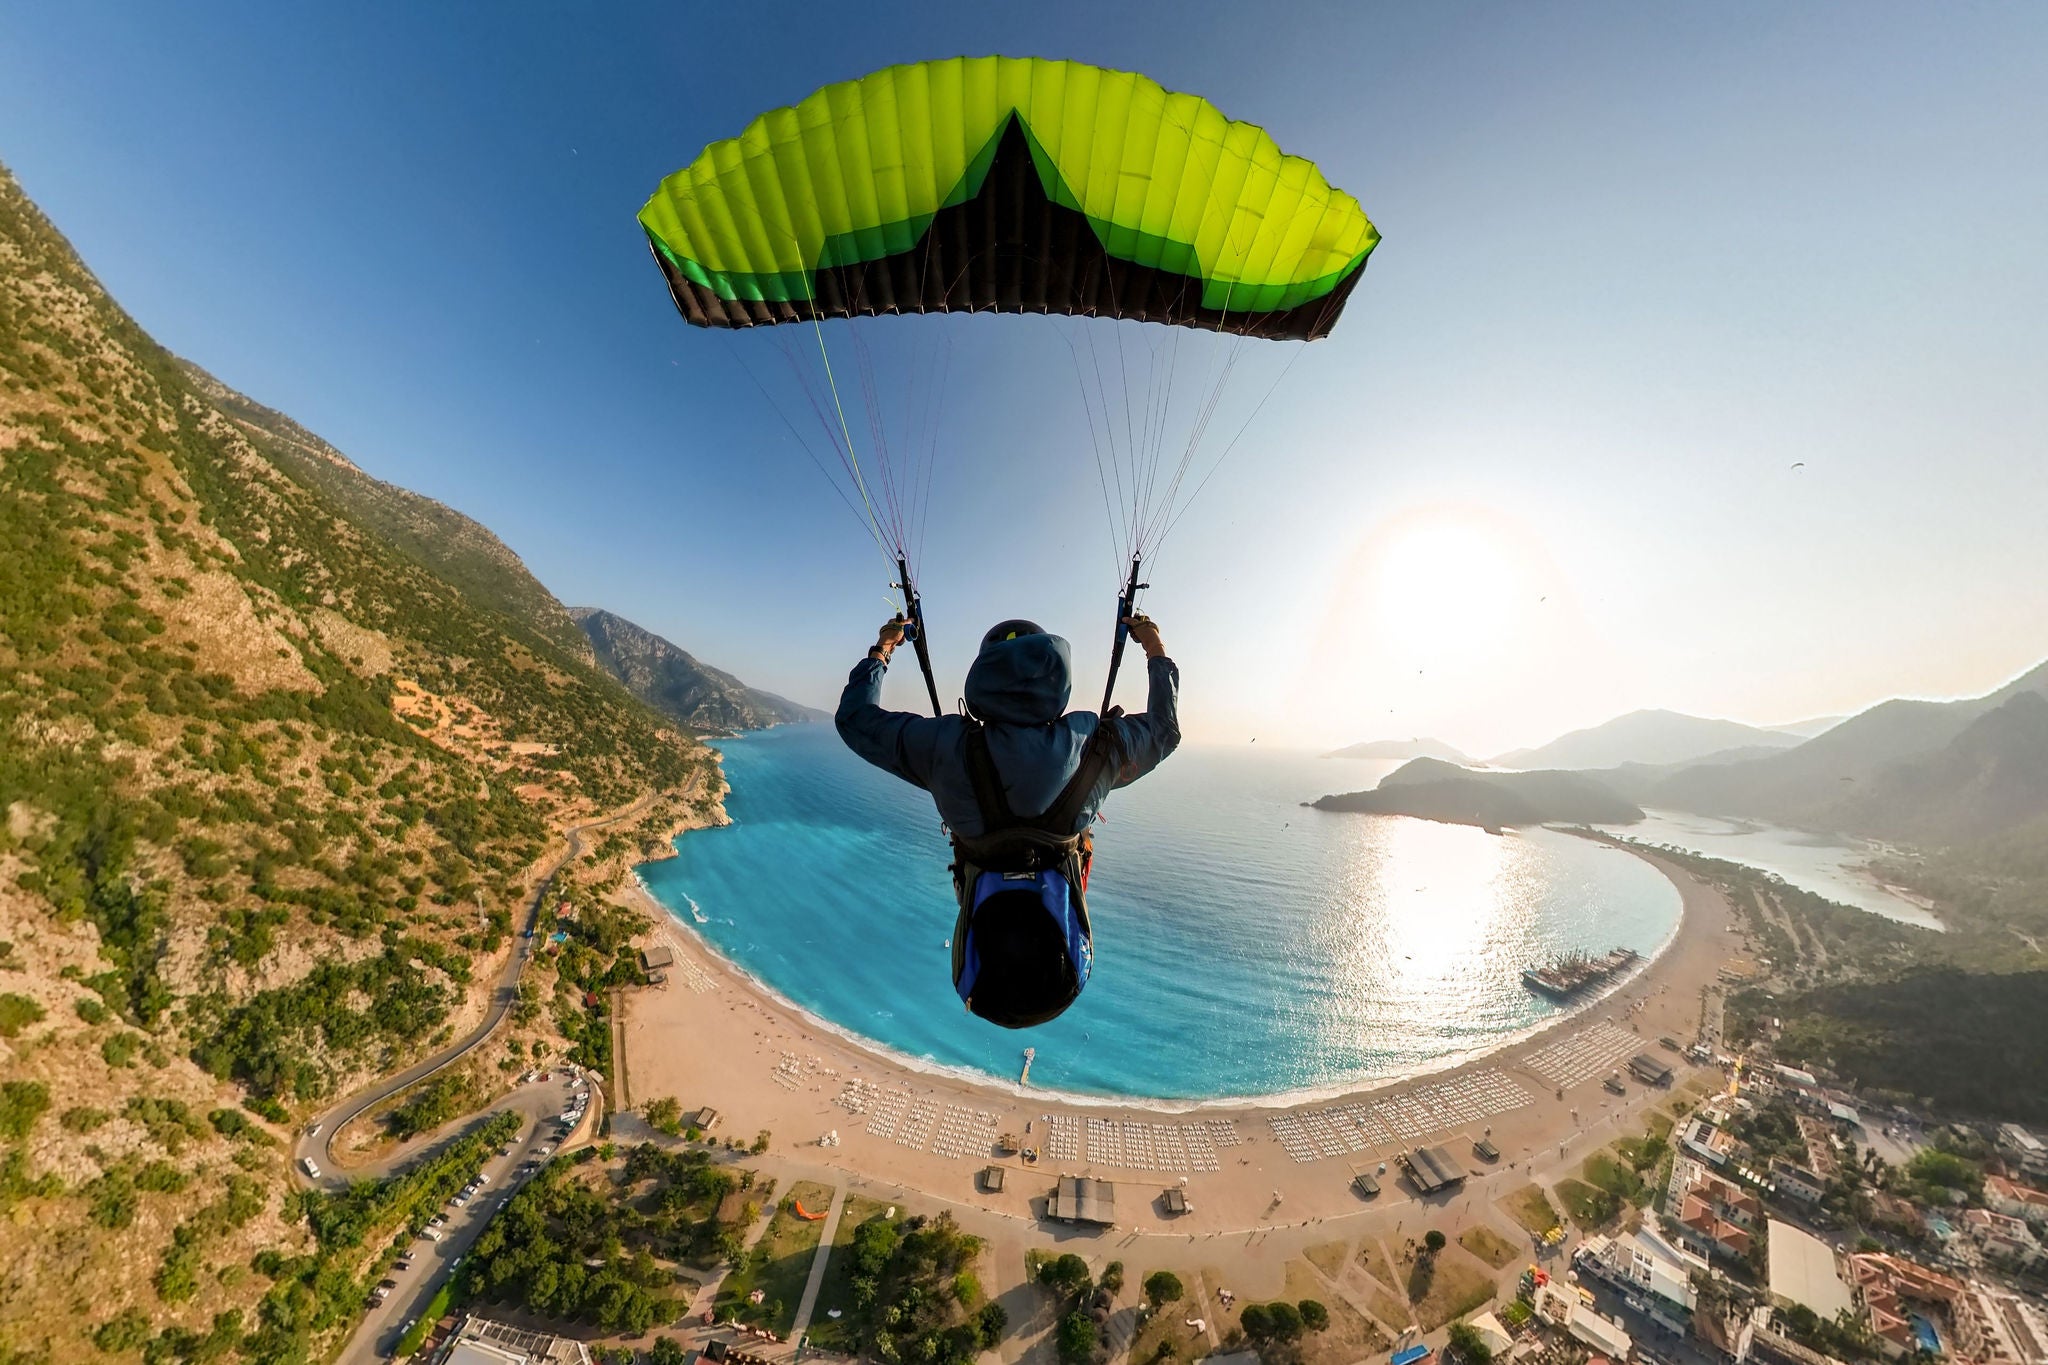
[(1649, 737), (1903, 769), (669, 679), (1430, 789), (1402, 749), (270, 790)]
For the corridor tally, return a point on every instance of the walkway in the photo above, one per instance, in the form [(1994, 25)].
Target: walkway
[(806, 1305)]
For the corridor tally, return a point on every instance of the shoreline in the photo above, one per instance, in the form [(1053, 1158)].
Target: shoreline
[(714, 1037), (1362, 1086)]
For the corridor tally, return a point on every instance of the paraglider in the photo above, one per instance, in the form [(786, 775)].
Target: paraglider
[(1013, 186)]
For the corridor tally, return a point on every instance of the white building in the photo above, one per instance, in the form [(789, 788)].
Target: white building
[(2017, 1201), (479, 1341), (2004, 1239), (2025, 1149), (1803, 1271)]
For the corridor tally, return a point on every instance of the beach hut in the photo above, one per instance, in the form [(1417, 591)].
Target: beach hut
[(1366, 1184), (1079, 1199), (1174, 1200), (1649, 1070), (656, 957), (1485, 1150), (992, 1180), (1432, 1169)]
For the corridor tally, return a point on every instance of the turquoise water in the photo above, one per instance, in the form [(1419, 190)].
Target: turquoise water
[(1244, 945)]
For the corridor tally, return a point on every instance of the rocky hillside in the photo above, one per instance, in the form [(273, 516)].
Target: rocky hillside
[(669, 680), (280, 750)]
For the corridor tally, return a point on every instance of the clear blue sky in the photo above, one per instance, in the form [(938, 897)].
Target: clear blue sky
[(1639, 260)]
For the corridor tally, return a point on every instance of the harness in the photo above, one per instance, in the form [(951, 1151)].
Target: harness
[(1039, 858)]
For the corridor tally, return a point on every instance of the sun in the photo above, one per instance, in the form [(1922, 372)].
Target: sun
[(1448, 587)]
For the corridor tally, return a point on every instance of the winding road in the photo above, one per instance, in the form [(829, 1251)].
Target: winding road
[(317, 1141)]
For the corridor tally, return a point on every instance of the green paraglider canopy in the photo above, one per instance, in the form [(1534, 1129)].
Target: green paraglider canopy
[(1007, 184)]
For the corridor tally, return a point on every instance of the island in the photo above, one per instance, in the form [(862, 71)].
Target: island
[(1431, 789)]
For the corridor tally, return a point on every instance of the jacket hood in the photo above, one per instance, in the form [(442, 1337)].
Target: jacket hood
[(1025, 681)]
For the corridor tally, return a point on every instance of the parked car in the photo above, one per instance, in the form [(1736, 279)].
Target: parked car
[(433, 1234), (311, 1170)]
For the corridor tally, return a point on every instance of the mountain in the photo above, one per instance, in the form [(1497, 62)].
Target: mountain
[(283, 750), (1402, 748), (1930, 771), (1433, 790), (678, 686), (459, 551), (1654, 737), (1808, 729)]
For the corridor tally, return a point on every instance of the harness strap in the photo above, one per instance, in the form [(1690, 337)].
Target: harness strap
[(1102, 751)]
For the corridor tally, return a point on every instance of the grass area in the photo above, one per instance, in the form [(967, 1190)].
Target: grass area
[(1447, 1285), (1531, 1208), (1329, 1257), (1660, 1123), (1169, 1325), (779, 1264), (1387, 1306), (436, 1309), (1617, 1178), (1373, 1257), (1222, 1321), (1350, 1335), (826, 1332), (1589, 1206), (1489, 1246)]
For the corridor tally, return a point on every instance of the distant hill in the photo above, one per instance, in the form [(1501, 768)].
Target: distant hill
[(1915, 770), (1807, 729), (1402, 748), (1433, 790), (1653, 737), (677, 685)]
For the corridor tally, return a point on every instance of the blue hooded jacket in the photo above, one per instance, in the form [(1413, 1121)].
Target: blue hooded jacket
[(1018, 689)]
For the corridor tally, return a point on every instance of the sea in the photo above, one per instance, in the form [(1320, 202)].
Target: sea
[(1247, 948)]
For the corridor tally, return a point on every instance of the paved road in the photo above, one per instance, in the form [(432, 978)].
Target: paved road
[(316, 1142), (540, 1104)]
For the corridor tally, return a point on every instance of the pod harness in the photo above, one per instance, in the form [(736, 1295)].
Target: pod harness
[(1018, 869)]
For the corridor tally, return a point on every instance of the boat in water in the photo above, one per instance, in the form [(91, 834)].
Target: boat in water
[(1574, 972)]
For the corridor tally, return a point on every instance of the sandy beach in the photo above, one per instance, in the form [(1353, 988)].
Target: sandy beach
[(711, 1037)]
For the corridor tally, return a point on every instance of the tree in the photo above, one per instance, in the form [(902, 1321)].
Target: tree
[(1433, 1240), (1162, 1287), (1076, 1337), (1066, 1275), (989, 1324), (760, 1142), (1113, 1277), (1257, 1325), (664, 1115), (1314, 1316), (1466, 1343)]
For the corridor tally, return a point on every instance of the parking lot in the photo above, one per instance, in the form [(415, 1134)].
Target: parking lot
[(551, 1108)]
